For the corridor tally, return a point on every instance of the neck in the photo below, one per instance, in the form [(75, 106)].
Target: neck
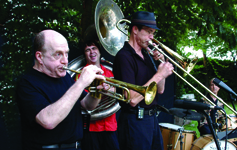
[(96, 64), (212, 96), (134, 44), (136, 47), (37, 67)]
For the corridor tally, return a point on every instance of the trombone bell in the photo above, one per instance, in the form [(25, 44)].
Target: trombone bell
[(186, 63)]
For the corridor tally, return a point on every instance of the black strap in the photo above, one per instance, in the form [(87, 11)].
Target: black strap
[(76, 145)]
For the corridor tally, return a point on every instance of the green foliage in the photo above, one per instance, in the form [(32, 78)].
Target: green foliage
[(203, 24), (221, 69)]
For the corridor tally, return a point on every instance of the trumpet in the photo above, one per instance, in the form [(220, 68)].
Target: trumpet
[(149, 92)]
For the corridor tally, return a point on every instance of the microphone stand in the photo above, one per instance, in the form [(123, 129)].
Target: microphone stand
[(209, 121), (232, 101), (180, 137)]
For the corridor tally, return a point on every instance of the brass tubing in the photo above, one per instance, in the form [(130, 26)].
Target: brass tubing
[(149, 92), (193, 79)]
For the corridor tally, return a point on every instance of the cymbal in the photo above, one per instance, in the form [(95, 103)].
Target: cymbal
[(186, 114)]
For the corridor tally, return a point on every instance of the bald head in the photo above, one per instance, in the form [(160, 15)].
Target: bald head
[(45, 37), (51, 53)]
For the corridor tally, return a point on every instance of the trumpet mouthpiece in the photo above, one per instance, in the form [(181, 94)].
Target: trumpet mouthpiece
[(65, 68), (150, 42)]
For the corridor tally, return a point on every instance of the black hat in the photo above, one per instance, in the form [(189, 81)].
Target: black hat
[(144, 18)]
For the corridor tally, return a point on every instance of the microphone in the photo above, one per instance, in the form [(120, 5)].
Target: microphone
[(194, 105), (222, 85)]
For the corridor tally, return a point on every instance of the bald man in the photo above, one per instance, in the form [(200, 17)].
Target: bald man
[(50, 100)]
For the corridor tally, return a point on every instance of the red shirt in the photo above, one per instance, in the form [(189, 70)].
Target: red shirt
[(109, 123)]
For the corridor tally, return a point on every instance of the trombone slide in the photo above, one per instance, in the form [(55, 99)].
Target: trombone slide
[(156, 47)]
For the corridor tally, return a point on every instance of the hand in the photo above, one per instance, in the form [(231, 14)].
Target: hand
[(157, 55), (106, 87), (89, 74), (165, 69)]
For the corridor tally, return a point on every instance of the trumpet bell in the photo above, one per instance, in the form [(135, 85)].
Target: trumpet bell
[(150, 94)]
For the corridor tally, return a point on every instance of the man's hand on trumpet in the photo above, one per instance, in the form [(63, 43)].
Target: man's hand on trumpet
[(106, 87), (89, 74)]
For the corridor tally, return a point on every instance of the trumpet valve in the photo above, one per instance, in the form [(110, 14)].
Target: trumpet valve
[(94, 92)]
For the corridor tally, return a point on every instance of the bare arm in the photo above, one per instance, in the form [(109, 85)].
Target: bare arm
[(164, 70), (53, 114)]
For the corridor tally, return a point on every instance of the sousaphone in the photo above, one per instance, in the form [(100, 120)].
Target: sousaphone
[(107, 14), (108, 105)]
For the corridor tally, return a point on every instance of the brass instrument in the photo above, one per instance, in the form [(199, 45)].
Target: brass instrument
[(187, 66), (107, 13), (149, 92), (108, 105), (186, 63)]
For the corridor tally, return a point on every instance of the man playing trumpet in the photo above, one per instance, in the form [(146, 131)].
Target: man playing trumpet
[(49, 99)]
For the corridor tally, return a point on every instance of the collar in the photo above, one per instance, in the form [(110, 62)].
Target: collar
[(132, 50), (102, 67)]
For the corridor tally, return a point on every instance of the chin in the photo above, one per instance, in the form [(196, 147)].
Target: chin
[(62, 74)]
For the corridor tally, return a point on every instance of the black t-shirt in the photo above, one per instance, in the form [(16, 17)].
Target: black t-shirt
[(129, 67), (36, 91)]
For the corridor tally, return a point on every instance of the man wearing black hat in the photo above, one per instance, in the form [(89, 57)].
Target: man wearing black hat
[(132, 64)]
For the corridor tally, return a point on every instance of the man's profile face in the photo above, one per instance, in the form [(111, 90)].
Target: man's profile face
[(144, 36), (55, 57), (92, 54)]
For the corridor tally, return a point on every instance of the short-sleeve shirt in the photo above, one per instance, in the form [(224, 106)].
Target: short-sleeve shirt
[(109, 123), (129, 67), (36, 91)]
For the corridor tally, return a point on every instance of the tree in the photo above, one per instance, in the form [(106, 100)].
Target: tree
[(211, 23)]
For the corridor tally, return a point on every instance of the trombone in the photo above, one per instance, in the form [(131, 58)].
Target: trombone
[(186, 65), (149, 92)]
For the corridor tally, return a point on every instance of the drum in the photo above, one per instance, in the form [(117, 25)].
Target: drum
[(206, 142), (171, 136)]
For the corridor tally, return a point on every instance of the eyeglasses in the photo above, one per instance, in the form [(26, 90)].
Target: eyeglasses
[(150, 32)]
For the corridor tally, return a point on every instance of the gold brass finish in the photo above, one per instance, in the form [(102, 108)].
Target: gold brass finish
[(149, 92)]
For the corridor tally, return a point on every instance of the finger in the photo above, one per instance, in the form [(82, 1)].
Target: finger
[(106, 86), (96, 69), (97, 76)]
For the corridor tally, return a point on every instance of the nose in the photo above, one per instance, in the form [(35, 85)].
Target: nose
[(151, 36), (64, 59)]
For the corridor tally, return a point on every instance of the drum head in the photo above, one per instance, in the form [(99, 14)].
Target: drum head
[(212, 145), (170, 126)]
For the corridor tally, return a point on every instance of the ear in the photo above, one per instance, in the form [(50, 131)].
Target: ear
[(39, 57), (135, 29)]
